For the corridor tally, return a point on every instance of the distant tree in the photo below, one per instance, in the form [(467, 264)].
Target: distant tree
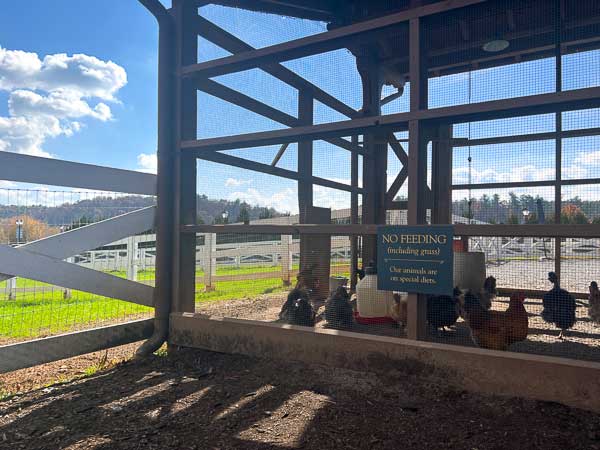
[(222, 219), (572, 214), (33, 229), (513, 219), (532, 218), (265, 213), (244, 215)]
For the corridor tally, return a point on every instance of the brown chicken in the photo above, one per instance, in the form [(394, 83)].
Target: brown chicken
[(594, 305), (399, 310), (496, 330)]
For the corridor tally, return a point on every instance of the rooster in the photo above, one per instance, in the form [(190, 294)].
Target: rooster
[(443, 310), (338, 310), (594, 305), (496, 330), (297, 309), (559, 306)]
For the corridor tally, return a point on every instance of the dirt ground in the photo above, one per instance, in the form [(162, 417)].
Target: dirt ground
[(582, 341), (203, 400)]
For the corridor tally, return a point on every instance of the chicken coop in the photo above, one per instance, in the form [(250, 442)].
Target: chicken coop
[(339, 117)]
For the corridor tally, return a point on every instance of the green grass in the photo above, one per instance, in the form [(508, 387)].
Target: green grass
[(36, 314), (227, 290)]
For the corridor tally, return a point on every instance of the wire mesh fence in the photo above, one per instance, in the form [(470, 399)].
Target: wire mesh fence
[(263, 280), (32, 309)]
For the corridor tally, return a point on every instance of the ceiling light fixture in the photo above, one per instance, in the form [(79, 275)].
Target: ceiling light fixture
[(497, 45)]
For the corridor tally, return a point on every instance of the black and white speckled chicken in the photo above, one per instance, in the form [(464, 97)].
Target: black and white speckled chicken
[(559, 306), (338, 310), (297, 309)]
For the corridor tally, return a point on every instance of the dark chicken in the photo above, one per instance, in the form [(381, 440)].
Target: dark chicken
[(442, 310), (297, 309), (559, 306), (338, 310)]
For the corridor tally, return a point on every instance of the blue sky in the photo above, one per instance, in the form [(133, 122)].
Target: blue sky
[(48, 50)]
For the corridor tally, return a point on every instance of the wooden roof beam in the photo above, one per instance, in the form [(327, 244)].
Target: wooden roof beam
[(497, 109), (233, 44), (318, 43)]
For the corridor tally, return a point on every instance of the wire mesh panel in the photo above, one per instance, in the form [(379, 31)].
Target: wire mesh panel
[(32, 309), (509, 165)]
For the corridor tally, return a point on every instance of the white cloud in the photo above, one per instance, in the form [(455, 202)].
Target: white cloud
[(60, 104), (235, 182), (86, 75), (147, 163), (283, 201), (49, 96), (588, 159)]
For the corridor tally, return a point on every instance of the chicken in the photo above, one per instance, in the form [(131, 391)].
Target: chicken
[(338, 310), (559, 306), (594, 302), (517, 318), (496, 330), (443, 310), (399, 309), (297, 309), (488, 293)]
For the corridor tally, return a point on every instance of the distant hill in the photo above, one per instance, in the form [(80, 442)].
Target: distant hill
[(98, 208)]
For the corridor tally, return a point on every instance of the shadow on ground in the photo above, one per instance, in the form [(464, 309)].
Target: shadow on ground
[(203, 400)]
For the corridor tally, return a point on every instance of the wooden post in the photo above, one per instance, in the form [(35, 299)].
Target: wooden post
[(11, 288), (286, 259), (354, 217), (417, 166), (558, 140), (305, 155), (314, 250), (184, 263), (209, 260), (441, 178), (375, 155)]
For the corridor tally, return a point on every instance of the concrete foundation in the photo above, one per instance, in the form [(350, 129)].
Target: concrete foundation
[(574, 383)]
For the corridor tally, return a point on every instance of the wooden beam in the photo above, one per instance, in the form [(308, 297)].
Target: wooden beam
[(233, 44), (42, 268), (237, 98), (55, 172), (305, 157), (551, 135), (417, 164), (242, 163), (73, 242), (396, 185), (398, 149), (318, 43), (279, 154), (523, 106), (185, 176), (588, 231), (441, 177), (41, 351)]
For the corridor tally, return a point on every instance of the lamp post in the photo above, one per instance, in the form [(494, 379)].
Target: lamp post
[(19, 236)]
